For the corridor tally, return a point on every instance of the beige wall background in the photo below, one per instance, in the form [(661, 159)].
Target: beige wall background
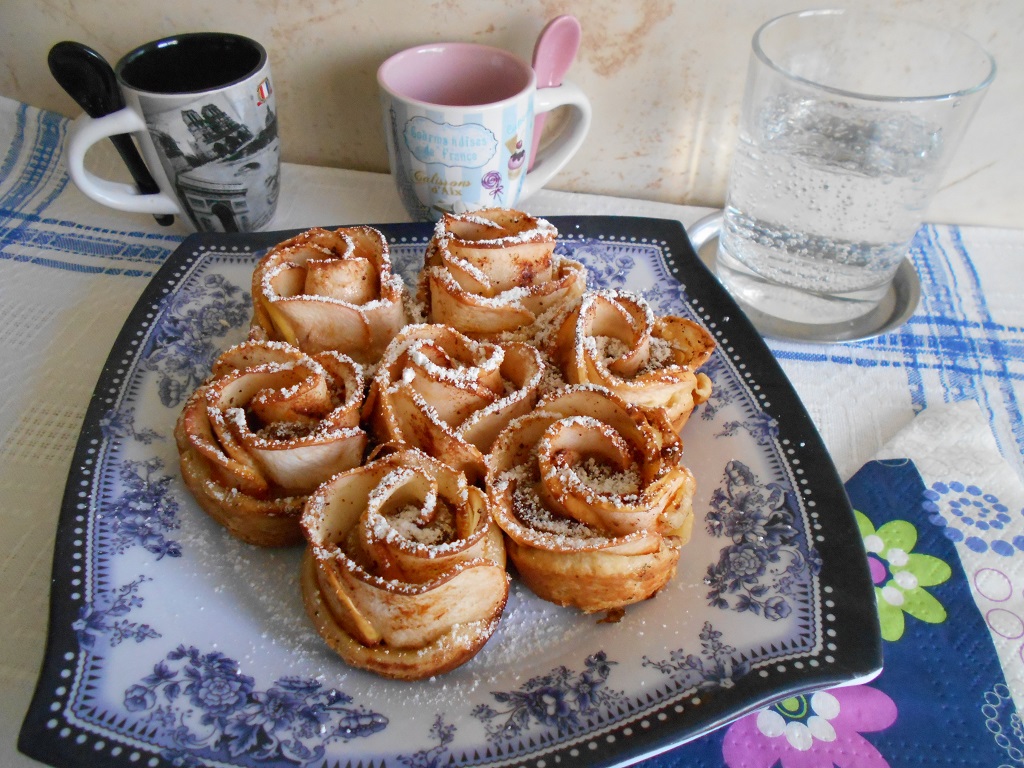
[(665, 79)]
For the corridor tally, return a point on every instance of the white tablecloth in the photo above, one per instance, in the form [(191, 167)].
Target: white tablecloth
[(71, 270)]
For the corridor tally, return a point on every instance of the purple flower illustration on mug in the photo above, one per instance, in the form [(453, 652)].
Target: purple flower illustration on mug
[(492, 181)]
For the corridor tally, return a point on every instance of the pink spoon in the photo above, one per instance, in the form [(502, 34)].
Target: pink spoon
[(553, 54)]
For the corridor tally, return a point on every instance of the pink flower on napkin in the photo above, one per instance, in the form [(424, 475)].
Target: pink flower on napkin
[(812, 731)]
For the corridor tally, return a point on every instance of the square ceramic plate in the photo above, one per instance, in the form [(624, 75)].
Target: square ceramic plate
[(173, 644)]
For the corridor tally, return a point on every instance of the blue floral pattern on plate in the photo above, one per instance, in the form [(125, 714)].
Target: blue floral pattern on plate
[(226, 717), (560, 699), (715, 667), (172, 642), (766, 558)]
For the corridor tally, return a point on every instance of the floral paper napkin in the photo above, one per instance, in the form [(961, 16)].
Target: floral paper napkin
[(976, 501), (942, 518)]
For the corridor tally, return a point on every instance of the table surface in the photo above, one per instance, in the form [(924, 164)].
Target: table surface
[(71, 271)]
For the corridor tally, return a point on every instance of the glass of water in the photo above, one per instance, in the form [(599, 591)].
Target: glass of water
[(849, 120)]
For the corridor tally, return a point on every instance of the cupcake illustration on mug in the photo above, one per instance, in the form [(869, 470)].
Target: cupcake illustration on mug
[(518, 156)]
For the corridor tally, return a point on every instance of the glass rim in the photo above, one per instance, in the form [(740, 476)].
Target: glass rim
[(763, 56)]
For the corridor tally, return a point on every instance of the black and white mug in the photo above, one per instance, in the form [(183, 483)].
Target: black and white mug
[(201, 107)]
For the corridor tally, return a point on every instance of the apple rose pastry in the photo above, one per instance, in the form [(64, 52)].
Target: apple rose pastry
[(495, 272), (593, 497), (450, 396), (264, 431), (325, 290), (613, 339), (405, 572)]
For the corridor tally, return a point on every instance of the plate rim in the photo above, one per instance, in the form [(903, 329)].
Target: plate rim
[(856, 660)]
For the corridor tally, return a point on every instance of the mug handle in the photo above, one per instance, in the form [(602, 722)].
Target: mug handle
[(553, 157), (86, 131)]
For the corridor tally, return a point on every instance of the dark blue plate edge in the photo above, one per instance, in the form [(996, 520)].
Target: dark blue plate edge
[(857, 656)]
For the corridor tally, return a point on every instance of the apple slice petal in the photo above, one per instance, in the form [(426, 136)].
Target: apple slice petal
[(330, 290), (449, 395), (613, 339), (402, 559), (494, 272), (264, 430), (593, 497)]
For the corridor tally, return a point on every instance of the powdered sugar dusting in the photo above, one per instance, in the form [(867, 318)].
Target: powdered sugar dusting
[(607, 480), (429, 521)]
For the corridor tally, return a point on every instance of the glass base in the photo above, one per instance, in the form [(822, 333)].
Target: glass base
[(793, 304), (895, 308)]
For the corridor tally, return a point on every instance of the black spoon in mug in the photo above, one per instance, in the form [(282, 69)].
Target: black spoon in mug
[(89, 79)]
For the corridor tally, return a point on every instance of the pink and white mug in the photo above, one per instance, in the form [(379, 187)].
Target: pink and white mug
[(459, 124)]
